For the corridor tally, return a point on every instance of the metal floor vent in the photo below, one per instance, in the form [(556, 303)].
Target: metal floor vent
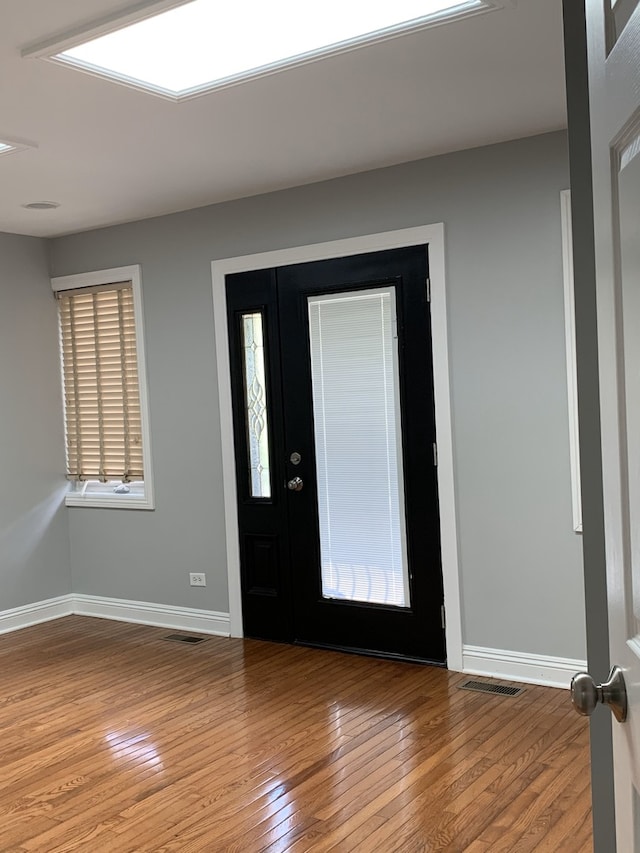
[(184, 638), (497, 689)]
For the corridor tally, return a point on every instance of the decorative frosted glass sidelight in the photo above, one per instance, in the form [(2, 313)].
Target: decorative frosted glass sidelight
[(255, 395), (356, 405)]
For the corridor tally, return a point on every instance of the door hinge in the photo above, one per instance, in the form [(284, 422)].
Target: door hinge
[(428, 288), (443, 617), (435, 455)]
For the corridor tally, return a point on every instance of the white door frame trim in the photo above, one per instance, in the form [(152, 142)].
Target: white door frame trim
[(433, 236)]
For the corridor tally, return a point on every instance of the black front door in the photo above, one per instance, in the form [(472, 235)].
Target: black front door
[(335, 454)]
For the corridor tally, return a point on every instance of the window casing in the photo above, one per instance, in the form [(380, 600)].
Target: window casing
[(104, 389)]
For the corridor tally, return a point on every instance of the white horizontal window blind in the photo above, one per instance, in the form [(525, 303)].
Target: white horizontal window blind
[(358, 444), (101, 390)]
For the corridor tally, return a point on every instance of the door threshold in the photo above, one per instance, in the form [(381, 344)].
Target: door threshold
[(372, 653)]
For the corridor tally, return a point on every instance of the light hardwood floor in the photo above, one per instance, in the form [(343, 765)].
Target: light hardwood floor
[(112, 739)]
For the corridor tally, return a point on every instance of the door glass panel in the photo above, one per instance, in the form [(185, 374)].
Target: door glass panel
[(255, 396), (356, 406)]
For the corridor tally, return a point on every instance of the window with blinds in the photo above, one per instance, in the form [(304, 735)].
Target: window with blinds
[(103, 419)]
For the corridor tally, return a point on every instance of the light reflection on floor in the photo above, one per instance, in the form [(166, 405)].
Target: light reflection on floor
[(134, 747)]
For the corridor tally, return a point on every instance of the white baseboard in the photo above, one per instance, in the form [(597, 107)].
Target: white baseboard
[(121, 610), (147, 613), (33, 614), (517, 666), (476, 660)]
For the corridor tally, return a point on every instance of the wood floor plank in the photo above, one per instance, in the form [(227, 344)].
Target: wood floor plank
[(116, 741)]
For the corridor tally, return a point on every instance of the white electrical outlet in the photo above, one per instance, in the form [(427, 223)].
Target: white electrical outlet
[(197, 579)]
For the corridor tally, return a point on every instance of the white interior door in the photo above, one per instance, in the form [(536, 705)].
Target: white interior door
[(613, 36)]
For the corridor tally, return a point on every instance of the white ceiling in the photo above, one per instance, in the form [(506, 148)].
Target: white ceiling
[(112, 154)]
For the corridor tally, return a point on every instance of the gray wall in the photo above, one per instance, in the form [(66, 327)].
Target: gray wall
[(34, 537), (520, 560)]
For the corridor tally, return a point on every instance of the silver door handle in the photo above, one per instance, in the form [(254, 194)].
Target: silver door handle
[(585, 694), (295, 485)]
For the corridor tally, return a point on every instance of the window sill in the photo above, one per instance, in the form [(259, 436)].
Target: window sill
[(102, 495), (107, 502)]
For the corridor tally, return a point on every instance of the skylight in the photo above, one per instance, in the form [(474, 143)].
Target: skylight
[(205, 44), (10, 146)]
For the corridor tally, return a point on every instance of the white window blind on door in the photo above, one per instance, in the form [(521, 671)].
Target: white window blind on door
[(356, 404), (101, 391)]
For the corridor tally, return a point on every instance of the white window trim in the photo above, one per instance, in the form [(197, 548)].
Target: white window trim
[(570, 344), (92, 279), (433, 237)]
